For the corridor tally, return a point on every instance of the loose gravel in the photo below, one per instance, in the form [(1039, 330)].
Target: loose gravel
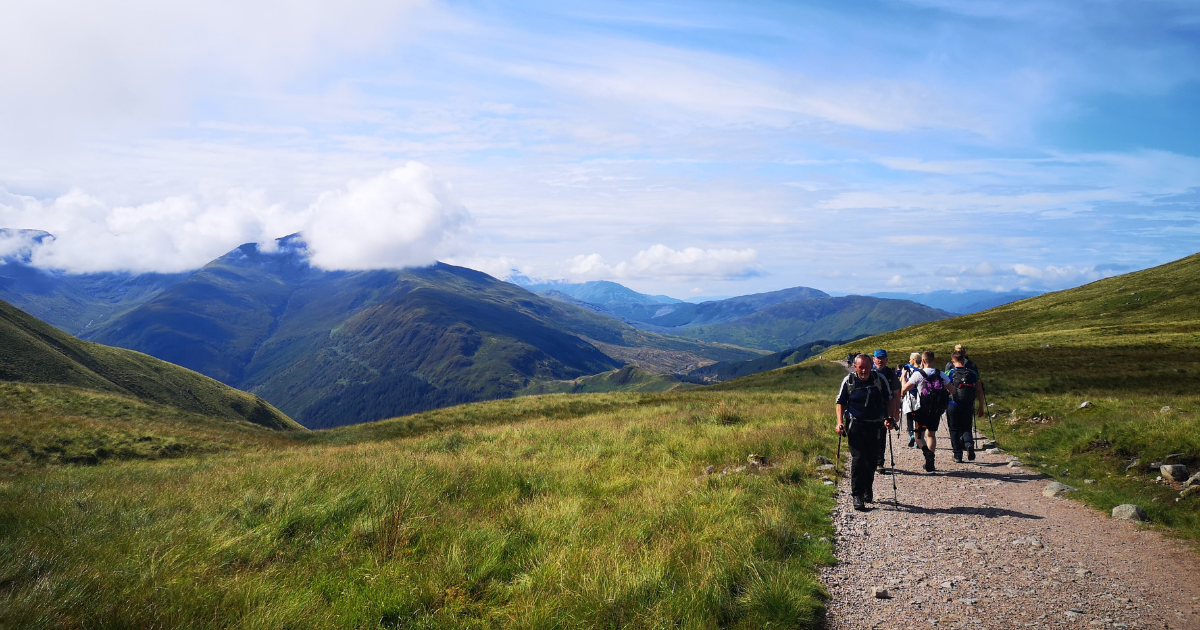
[(977, 545)]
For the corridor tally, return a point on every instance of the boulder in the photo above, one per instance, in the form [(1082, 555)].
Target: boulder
[(989, 444), (1085, 404), (825, 467), (1173, 472), (1190, 492), (1165, 409), (821, 459), (878, 592), (1056, 489), (994, 451), (1129, 512), (1194, 480)]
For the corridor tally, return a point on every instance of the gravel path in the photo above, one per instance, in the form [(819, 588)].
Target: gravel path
[(976, 545)]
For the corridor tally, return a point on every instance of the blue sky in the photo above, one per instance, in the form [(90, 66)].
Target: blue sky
[(679, 148)]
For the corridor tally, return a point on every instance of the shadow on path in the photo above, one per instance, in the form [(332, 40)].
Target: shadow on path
[(972, 510)]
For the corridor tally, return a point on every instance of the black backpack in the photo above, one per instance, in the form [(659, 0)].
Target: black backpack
[(964, 382), (875, 383)]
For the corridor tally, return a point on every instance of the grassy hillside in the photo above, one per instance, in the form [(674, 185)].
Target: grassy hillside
[(728, 370), (46, 425), (627, 379), (1126, 344), (32, 351), (798, 322), (549, 511)]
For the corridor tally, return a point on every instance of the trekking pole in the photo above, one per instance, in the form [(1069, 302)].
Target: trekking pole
[(892, 451), (993, 431), (838, 458)]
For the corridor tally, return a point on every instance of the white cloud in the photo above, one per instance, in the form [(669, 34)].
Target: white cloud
[(896, 281), (660, 262), (85, 64), (404, 217)]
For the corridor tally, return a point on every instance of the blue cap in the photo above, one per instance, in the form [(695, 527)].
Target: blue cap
[(881, 353)]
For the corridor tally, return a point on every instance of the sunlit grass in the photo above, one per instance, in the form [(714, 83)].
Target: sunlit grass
[(572, 511)]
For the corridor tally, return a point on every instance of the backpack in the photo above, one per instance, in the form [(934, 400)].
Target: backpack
[(853, 385), (964, 381), (934, 397)]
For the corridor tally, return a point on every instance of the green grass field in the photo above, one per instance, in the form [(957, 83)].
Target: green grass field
[(553, 511)]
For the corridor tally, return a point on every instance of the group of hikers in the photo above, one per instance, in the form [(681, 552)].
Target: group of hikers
[(874, 398)]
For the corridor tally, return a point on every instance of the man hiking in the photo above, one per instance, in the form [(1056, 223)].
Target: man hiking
[(893, 380), (909, 401), (933, 394), (966, 395), (861, 407)]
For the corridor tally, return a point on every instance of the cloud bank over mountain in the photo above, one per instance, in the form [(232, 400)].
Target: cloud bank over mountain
[(405, 217)]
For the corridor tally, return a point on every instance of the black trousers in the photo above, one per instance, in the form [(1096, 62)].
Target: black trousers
[(863, 438), (958, 421)]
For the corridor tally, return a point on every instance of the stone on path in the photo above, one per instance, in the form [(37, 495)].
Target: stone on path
[(1129, 512), (989, 444), (879, 592), (1173, 472), (1056, 489), (993, 451)]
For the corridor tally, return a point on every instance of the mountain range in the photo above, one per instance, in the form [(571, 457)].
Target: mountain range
[(961, 302), (773, 321), (338, 347)]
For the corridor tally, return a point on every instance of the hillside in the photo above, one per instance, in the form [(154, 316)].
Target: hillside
[(32, 351), (728, 370), (961, 302), (332, 348), (797, 322)]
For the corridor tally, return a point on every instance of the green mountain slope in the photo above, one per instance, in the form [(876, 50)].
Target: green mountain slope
[(797, 322), (32, 351), (333, 348)]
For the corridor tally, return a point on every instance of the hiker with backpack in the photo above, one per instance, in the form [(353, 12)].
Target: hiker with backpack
[(880, 359), (862, 405), (933, 396), (966, 394), (909, 401)]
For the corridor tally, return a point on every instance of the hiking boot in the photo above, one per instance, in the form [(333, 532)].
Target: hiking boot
[(929, 461), (859, 505), (912, 440), (958, 459), (971, 454), (870, 498)]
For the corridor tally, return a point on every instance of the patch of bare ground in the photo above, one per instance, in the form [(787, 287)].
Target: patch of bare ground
[(977, 545)]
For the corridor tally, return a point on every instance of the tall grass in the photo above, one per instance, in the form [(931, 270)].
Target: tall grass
[(584, 511)]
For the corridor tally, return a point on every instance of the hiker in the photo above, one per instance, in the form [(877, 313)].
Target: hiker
[(933, 395), (967, 362), (966, 395), (909, 401), (862, 406), (893, 380)]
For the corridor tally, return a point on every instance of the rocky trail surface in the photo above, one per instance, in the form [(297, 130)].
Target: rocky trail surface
[(978, 545)]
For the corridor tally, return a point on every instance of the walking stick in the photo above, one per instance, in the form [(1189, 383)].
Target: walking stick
[(892, 451), (838, 458), (993, 431)]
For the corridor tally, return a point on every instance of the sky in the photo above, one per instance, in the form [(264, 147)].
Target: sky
[(687, 149)]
